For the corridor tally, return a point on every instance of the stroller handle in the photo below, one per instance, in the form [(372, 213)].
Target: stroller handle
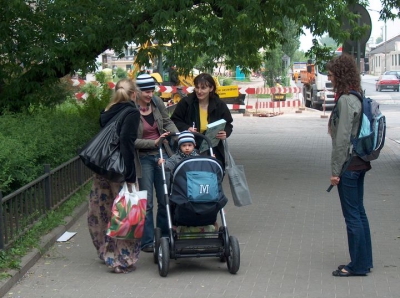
[(196, 134)]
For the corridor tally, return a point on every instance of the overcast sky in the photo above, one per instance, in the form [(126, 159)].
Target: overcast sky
[(393, 27)]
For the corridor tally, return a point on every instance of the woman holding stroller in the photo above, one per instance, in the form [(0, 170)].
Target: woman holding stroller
[(154, 124), (201, 107), (118, 254)]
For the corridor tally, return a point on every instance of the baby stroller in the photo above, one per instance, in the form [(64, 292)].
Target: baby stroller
[(196, 197)]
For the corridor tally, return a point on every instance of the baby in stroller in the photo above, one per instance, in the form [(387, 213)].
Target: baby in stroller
[(193, 201), (186, 148)]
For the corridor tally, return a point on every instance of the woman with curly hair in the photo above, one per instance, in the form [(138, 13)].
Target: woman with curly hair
[(343, 124)]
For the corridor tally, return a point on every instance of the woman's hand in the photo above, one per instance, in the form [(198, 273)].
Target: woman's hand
[(131, 186), (164, 135), (335, 180), (192, 129), (221, 135)]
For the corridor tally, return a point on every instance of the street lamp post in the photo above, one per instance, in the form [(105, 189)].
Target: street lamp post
[(385, 42)]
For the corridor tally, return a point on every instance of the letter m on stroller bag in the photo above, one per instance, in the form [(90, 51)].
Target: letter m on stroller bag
[(202, 187), (372, 131)]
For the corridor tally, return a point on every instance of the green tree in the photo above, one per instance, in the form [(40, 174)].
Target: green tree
[(273, 65), (292, 40), (121, 73), (299, 56), (42, 41), (328, 42), (379, 39)]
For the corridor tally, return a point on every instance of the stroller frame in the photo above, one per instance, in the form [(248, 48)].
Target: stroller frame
[(197, 245)]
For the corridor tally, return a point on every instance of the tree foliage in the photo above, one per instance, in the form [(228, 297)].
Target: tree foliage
[(42, 41), (273, 58), (329, 42)]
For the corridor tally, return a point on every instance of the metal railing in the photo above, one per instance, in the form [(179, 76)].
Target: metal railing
[(20, 210)]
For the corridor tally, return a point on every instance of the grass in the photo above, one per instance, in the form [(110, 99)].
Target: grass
[(11, 258)]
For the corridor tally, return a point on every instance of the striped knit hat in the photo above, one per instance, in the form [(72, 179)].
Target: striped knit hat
[(145, 82), (186, 137)]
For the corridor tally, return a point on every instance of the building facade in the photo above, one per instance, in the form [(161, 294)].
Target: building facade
[(385, 56)]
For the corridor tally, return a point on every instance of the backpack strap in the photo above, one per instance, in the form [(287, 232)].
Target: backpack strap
[(359, 96)]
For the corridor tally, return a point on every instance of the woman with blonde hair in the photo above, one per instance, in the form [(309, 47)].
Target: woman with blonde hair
[(120, 255)]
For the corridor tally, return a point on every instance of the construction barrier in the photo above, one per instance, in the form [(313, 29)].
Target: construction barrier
[(276, 104), (241, 90), (233, 107)]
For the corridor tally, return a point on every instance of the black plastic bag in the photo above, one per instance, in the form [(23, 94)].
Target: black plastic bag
[(102, 154)]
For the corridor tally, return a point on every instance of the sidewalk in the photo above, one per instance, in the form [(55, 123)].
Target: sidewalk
[(291, 238)]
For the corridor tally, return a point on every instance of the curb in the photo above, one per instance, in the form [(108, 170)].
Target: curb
[(29, 260)]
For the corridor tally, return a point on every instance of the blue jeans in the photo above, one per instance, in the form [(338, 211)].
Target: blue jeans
[(351, 193), (152, 175)]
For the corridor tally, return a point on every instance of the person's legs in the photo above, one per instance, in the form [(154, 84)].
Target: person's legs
[(118, 254), (161, 220), (351, 202), (365, 222), (146, 183), (99, 212)]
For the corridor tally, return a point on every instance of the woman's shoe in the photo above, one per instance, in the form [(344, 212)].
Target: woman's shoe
[(148, 248), (341, 273), (340, 267), (120, 269)]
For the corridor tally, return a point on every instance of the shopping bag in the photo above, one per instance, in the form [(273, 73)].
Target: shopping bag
[(237, 180), (128, 214)]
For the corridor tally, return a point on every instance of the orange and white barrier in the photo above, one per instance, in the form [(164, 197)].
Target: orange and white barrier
[(242, 90), (232, 107), (237, 107), (275, 104), (83, 95), (273, 90)]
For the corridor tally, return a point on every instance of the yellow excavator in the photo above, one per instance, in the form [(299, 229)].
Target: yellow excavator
[(176, 95), (229, 94)]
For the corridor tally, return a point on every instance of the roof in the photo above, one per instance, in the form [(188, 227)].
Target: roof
[(390, 46)]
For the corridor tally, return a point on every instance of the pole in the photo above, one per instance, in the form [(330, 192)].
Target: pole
[(358, 50), (385, 42)]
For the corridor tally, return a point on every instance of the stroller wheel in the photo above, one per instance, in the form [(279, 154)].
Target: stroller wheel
[(233, 260), (163, 257), (157, 240)]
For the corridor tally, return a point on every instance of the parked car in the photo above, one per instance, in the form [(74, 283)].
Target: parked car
[(387, 82), (393, 72)]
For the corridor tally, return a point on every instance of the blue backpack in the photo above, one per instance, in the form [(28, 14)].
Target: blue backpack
[(372, 130)]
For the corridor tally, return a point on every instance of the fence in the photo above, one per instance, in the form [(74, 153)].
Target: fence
[(20, 210)]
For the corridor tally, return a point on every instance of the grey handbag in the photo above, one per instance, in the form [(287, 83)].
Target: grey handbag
[(237, 180)]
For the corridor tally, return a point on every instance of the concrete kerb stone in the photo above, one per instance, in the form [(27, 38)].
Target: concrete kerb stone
[(277, 111), (46, 242)]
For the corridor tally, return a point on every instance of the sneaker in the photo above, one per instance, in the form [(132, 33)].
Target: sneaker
[(148, 248)]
